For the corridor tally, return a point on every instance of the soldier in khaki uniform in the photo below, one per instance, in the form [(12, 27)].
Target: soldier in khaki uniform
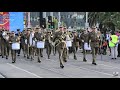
[(3, 43), (32, 44), (27, 43), (59, 39), (39, 36), (75, 43), (48, 41), (13, 39), (22, 40), (7, 45), (94, 43), (83, 40), (0, 42)]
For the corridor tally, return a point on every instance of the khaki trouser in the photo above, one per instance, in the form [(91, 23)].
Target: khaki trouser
[(94, 51), (13, 54)]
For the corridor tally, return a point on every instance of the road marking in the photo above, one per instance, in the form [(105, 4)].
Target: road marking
[(90, 70), (24, 70)]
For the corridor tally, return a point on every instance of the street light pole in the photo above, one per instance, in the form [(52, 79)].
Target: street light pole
[(44, 15), (59, 17), (51, 14), (29, 24), (86, 23)]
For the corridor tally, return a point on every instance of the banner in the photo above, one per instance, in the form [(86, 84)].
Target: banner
[(16, 21), (4, 20)]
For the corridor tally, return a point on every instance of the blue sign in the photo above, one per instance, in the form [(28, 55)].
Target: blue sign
[(16, 21)]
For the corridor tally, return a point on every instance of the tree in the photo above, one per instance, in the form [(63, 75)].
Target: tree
[(108, 19)]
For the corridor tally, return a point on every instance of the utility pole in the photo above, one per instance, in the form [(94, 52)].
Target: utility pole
[(59, 17), (29, 24), (86, 23)]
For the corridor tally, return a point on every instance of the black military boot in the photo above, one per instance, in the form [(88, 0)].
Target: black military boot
[(94, 63), (41, 55), (6, 57), (75, 57), (61, 66), (84, 60), (64, 59), (13, 61), (28, 57), (39, 60), (48, 56), (32, 58), (2, 56)]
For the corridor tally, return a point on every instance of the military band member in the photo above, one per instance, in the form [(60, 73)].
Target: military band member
[(75, 43), (60, 43), (32, 44), (3, 42), (13, 39), (7, 45), (94, 43), (22, 41), (83, 40), (18, 34), (39, 36), (48, 41), (27, 43)]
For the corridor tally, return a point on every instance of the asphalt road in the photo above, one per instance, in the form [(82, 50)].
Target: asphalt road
[(49, 68)]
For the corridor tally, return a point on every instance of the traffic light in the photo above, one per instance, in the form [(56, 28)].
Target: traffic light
[(52, 25), (49, 19), (43, 23)]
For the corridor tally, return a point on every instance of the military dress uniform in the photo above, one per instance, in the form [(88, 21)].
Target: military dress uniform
[(22, 42), (75, 44), (7, 45), (27, 43), (48, 41), (13, 39), (83, 40), (39, 36), (60, 43), (94, 43), (3, 44)]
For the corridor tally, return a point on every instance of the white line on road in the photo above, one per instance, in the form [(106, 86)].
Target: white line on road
[(25, 70)]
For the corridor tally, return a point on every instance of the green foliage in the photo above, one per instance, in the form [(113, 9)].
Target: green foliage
[(104, 17)]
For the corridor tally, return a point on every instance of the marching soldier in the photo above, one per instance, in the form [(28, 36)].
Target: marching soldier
[(22, 41), (18, 34), (38, 36), (59, 39), (3, 42), (7, 45), (0, 42), (48, 41), (83, 40), (75, 44), (27, 43), (13, 39), (94, 43), (32, 44)]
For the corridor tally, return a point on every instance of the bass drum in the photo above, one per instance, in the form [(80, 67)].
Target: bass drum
[(15, 46), (40, 44)]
